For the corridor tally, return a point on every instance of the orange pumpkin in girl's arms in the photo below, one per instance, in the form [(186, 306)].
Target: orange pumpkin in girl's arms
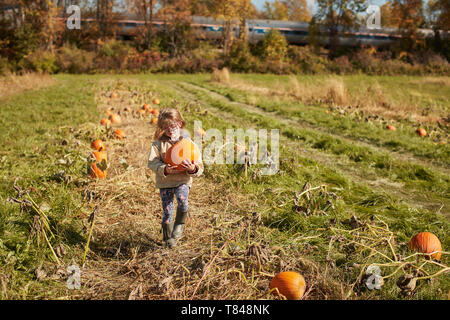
[(120, 134), (290, 284), (184, 149), (426, 242), (115, 118), (156, 101), (98, 145), (421, 132), (155, 112)]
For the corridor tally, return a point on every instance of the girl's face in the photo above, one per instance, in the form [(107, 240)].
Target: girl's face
[(173, 131)]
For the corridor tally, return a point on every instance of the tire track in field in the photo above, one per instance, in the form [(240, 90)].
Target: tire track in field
[(343, 166), (298, 122)]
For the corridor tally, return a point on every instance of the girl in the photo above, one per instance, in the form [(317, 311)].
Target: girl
[(170, 181)]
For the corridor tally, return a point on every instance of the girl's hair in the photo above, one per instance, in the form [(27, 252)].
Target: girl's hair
[(165, 117)]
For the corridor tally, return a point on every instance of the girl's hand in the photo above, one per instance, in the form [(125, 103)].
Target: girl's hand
[(188, 166), (171, 170)]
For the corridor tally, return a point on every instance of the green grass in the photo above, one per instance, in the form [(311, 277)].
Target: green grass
[(352, 126), (31, 137), (34, 125)]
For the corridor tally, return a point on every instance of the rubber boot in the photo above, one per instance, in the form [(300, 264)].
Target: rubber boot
[(167, 235), (178, 227)]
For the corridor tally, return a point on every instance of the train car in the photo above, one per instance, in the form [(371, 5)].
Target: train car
[(297, 33)]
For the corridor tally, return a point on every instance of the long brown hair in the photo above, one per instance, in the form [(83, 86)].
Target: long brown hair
[(165, 117)]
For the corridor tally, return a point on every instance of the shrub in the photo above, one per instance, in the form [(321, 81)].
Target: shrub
[(274, 46), (40, 61), (73, 60)]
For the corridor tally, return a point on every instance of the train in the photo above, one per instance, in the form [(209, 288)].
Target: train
[(296, 33)]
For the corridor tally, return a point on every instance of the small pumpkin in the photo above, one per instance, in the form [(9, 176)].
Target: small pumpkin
[(146, 107), (98, 168), (184, 149), (115, 118), (391, 127), (114, 95), (120, 134), (155, 112), (154, 120), (421, 132), (100, 155), (156, 101), (426, 242), (105, 122), (98, 145), (290, 284), (141, 112)]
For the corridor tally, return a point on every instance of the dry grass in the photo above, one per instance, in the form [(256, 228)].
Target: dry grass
[(371, 98), (224, 254), (221, 76), (13, 84)]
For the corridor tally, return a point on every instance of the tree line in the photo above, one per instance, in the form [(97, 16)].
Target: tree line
[(27, 25)]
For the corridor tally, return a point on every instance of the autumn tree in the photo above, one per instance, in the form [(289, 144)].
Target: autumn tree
[(176, 34), (145, 10), (408, 16), (338, 16), (387, 15)]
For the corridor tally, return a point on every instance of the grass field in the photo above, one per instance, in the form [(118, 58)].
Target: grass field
[(349, 193)]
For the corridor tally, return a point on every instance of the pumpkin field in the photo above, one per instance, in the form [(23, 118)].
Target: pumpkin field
[(364, 168)]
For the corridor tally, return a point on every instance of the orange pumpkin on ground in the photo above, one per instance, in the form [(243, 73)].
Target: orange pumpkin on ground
[(156, 101), (105, 122), (290, 284), (98, 168), (426, 242), (115, 118), (391, 127), (154, 120), (120, 134), (147, 107), (184, 149), (155, 112), (100, 155), (98, 145), (421, 132), (114, 95)]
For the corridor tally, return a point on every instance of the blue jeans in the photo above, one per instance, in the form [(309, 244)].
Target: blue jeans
[(167, 199)]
